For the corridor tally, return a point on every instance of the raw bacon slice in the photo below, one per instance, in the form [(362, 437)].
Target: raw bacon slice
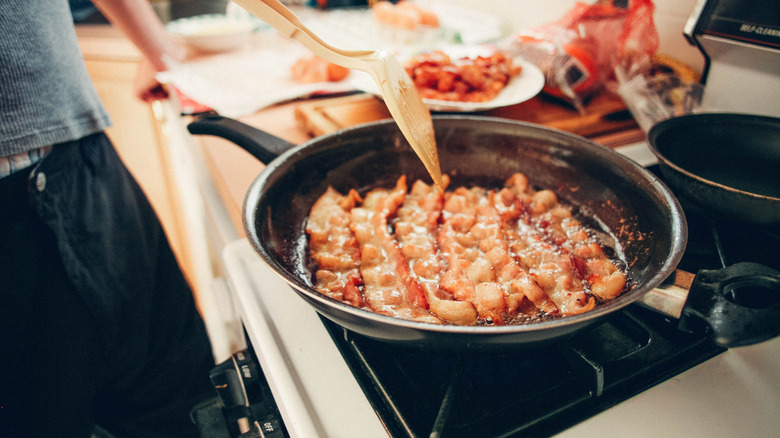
[(388, 285), (416, 229), (333, 246)]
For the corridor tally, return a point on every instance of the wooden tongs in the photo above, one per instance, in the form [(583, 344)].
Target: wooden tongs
[(398, 90)]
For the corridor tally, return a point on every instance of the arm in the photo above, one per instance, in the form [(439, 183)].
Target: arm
[(138, 21)]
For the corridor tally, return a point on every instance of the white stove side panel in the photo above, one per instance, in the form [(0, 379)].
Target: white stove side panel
[(316, 392)]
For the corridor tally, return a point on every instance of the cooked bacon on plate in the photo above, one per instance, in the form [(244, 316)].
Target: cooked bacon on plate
[(464, 79), (471, 255)]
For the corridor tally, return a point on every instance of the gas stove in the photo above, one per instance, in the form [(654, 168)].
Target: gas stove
[(546, 390), (535, 392), (635, 374)]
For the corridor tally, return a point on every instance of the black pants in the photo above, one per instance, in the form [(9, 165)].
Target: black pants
[(97, 323)]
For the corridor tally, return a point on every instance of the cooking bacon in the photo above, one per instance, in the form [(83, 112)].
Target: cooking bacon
[(571, 238), (481, 269), (550, 265), (468, 256), (389, 287), (415, 229), (333, 247)]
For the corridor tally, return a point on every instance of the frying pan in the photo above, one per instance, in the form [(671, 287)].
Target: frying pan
[(640, 217), (724, 163)]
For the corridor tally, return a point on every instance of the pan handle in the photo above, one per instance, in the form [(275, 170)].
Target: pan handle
[(736, 306), (262, 145), (739, 304)]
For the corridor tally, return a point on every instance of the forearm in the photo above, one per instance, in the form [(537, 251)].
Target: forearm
[(138, 21)]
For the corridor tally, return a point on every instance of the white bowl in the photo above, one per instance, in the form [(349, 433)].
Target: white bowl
[(212, 32)]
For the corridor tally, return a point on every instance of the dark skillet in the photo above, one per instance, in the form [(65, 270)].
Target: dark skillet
[(724, 163), (629, 202)]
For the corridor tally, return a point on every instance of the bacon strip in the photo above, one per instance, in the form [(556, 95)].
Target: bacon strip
[(416, 230), (333, 246), (389, 287), (521, 282), (458, 247), (553, 270), (513, 280), (480, 268), (553, 267), (605, 280)]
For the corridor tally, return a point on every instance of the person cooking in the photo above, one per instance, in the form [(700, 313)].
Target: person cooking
[(98, 327)]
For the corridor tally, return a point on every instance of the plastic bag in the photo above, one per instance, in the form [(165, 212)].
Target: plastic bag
[(653, 96), (579, 52)]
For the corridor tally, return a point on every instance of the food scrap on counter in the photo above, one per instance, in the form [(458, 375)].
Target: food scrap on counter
[(404, 14), (312, 69)]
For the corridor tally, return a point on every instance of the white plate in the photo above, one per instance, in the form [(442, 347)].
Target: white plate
[(212, 32), (522, 87)]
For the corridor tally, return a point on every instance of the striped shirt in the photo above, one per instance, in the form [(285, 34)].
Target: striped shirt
[(22, 160)]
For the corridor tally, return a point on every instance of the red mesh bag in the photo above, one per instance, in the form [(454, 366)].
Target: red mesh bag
[(579, 52)]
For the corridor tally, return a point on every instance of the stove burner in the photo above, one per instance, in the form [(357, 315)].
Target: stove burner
[(536, 391), (719, 242)]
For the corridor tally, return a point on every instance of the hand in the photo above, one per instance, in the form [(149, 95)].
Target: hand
[(140, 23), (145, 85)]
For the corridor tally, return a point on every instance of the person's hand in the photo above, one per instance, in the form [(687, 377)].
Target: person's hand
[(140, 23), (145, 85)]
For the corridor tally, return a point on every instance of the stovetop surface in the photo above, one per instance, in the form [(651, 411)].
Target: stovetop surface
[(531, 392)]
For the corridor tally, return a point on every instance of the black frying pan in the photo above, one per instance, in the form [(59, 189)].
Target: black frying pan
[(725, 163), (631, 203)]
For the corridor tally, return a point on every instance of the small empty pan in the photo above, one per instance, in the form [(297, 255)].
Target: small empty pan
[(724, 163)]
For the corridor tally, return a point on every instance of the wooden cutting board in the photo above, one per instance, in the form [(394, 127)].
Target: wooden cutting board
[(606, 118)]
